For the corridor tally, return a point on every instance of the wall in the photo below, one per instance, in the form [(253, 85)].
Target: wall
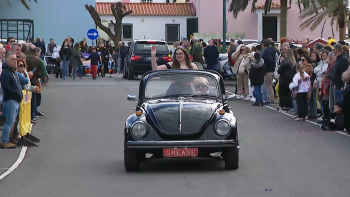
[(153, 27), (210, 21), (52, 19)]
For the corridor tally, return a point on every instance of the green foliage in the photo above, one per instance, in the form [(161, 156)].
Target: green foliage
[(321, 10), (23, 2)]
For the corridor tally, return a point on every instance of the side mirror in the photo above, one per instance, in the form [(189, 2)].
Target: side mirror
[(131, 97)]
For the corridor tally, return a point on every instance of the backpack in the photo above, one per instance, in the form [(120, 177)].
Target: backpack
[(233, 49)]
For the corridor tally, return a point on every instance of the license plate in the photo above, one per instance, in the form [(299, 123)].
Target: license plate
[(150, 58), (180, 152)]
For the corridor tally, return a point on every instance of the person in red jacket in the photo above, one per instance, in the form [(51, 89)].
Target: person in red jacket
[(324, 95)]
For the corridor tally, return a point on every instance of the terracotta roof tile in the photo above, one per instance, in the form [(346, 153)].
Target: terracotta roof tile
[(151, 9), (273, 6)]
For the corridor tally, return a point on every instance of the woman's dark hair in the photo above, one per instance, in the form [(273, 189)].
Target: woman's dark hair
[(307, 58), (176, 63), (239, 42), (326, 52), (317, 57), (204, 44), (295, 52), (328, 47), (77, 45), (258, 48), (21, 61), (62, 46)]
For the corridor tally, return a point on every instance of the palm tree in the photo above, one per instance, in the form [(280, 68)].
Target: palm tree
[(23, 2), (322, 10), (237, 6)]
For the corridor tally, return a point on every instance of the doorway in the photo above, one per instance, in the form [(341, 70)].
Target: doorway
[(270, 27), (172, 33)]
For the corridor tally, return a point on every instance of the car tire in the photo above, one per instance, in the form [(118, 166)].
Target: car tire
[(231, 158), (130, 74), (131, 160)]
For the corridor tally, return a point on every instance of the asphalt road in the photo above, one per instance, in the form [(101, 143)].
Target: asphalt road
[(81, 153)]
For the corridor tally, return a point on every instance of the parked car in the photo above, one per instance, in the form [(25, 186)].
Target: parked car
[(138, 58), (181, 113), (223, 68)]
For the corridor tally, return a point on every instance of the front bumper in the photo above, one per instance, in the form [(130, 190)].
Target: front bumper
[(181, 144)]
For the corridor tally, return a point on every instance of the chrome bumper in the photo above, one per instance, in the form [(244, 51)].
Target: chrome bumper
[(181, 144)]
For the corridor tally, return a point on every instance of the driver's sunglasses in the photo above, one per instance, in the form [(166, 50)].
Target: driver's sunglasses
[(201, 86)]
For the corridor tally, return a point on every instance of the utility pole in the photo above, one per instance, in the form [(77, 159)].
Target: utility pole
[(224, 26)]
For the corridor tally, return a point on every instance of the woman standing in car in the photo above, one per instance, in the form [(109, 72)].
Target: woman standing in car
[(181, 60)]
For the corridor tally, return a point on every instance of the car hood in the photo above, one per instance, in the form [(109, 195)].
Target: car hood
[(181, 118)]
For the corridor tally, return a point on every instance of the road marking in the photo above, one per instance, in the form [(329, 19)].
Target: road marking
[(340, 132), (19, 160)]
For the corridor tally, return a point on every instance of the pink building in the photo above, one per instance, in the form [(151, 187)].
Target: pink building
[(256, 25)]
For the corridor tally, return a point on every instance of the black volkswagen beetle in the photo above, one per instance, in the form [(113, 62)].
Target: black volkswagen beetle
[(181, 113)]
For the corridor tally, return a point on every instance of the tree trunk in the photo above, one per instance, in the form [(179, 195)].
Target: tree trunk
[(118, 11), (283, 23), (341, 24)]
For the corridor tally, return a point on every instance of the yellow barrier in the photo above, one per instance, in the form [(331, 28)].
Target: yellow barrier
[(25, 113)]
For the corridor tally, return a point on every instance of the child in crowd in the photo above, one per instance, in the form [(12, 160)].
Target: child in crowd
[(338, 115), (324, 95), (95, 58), (300, 86), (256, 75), (111, 66)]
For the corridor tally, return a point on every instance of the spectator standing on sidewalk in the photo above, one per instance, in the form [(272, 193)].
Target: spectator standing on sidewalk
[(346, 101), (16, 49), (39, 43), (256, 76), (241, 68), (94, 58), (77, 61), (211, 55), (269, 57), (341, 65), (286, 75), (197, 51), (12, 97), (121, 56), (65, 54), (34, 62), (301, 86), (312, 109), (332, 98)]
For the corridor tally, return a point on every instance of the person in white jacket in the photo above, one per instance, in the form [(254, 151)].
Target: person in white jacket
[(321, 67), (301, 85), (241, 68)]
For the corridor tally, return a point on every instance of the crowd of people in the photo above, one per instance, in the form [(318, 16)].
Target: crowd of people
[(21, 69), (312, 82)]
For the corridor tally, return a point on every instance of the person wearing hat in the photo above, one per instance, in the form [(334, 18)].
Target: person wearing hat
[(76, 61)]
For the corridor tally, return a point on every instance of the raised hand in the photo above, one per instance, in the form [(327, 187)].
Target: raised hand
[(153, 50)]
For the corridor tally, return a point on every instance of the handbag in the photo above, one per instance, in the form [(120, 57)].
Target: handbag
[(295, 91)]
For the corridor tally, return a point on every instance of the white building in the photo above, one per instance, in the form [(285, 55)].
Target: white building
[(167, 21)]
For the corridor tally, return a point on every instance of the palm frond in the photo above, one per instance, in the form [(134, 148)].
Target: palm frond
[(267, 6), (237, 6)]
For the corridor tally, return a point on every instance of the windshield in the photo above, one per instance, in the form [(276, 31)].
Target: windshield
[(182, 85), (147, 45)]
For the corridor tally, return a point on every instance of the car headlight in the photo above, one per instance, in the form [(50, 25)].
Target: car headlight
[(138, 129), (222, 127)]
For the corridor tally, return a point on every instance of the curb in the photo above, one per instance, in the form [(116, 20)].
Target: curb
[(311, 122), (19, 160)]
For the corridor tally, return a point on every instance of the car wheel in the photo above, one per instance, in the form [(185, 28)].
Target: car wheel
[(231, 158), (131, 160), (130, 74)]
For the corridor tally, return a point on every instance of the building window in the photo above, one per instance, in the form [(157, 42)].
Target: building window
[(146, 1), (127, 32)]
